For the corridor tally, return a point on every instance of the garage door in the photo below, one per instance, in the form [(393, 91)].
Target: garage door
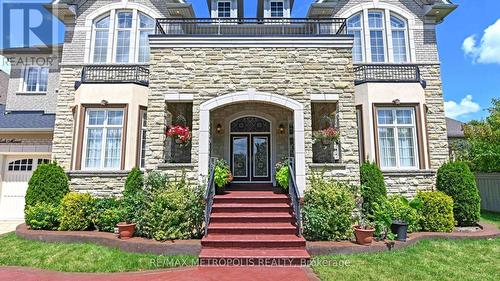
[(17, 173)]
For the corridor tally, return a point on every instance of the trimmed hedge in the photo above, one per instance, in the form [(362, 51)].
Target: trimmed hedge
[(327, 211), (436, 212), (48, 184), (373, 188), (42, 216), (76, 211), (456, 180)]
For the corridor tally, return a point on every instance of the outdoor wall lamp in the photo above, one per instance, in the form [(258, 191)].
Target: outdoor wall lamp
[(218, 128), (282, 129)]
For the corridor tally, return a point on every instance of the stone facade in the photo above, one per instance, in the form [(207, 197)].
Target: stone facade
[(102, 184), (407, 184)]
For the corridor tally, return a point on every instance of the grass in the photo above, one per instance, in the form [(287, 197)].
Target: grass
[(80, 257), (439, 259), (491, 217)]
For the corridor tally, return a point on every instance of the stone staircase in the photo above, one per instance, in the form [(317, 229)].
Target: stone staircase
[(251, 225)]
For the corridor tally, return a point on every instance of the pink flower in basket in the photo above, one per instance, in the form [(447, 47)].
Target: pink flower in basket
[(326, 136), (180, 134)]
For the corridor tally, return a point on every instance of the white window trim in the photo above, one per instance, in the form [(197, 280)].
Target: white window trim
[(144, 129), (94, 32), (117, 30), (23, 86), (105, 127), (384, 34), (396, 138)]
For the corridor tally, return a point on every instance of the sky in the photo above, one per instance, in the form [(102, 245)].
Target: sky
[(468, 42)]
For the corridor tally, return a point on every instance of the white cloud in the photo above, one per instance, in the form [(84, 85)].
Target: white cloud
[(487, 50), (466, 106)]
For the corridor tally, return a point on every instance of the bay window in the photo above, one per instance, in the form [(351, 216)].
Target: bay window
[(103, 139), (397, 138), (122, 37), (35, 79)]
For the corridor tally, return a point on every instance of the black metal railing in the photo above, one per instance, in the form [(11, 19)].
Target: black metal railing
[(294, 194), (115, 74), (391, 73), (209, 195), (250, 27)]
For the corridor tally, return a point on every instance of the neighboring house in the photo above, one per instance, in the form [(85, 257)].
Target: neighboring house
[(456, 137), (252, 91), (26, 123), (4, 84)]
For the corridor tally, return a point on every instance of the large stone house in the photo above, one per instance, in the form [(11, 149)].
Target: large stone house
[(253, 90)]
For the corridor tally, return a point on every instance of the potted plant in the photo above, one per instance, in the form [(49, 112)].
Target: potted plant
[(222, 176), (364, 232), (126, 228), (403, 213), (282, 176), (326, 136)]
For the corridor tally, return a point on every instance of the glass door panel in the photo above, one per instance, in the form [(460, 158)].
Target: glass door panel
[(260, 158), (239, 157)]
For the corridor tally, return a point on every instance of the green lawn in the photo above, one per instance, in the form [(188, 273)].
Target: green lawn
[(428, 260), (81, 257)]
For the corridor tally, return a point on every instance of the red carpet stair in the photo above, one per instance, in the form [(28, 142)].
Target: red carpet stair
[(251, 225)]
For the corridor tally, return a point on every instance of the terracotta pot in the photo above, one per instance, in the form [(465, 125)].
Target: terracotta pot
[(363, 236), (126, 230)]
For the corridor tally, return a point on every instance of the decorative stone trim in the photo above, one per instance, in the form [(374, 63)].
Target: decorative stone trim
[(409, 173), (102, 174), (176, 166), (329, 166)]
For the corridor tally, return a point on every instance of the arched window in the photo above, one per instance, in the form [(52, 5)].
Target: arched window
[(127, 42), (398, 27), (355, 27), (379, 36)]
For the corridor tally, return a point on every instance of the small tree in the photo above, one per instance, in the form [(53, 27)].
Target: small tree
[(134, 182), (133, 196), (48, 184), (373, 188), (456, 180)]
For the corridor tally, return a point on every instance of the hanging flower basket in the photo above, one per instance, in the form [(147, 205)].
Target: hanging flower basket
[(180, 134), (326, 136)]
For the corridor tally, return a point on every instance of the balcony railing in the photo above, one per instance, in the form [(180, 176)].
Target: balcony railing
[(390, 73), (228, 27), (115, 74)]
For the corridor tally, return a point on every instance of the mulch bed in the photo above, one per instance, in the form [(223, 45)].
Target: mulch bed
[(193, 247)]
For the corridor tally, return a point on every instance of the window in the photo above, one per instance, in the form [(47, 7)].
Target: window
[(142, 152), (224, 9), (21, 165), (277, 9), (101, 28), (376, 25), (35, 79), (354, 27), (398, 27), (397, 138), (122, 43), (103, 138), (43, 161)]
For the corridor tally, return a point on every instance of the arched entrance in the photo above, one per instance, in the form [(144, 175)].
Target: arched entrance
[(250, 149)]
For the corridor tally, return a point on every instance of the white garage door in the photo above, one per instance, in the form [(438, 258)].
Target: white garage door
[(17, 173)]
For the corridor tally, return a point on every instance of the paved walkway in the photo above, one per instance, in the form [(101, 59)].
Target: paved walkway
[(188, 274), (9, 226)]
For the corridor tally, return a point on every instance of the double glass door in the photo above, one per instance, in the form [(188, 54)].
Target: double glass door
[(250, 157)]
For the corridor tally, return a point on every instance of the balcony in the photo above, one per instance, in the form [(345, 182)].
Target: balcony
[(109, 74), (250, 27), (387, 73)]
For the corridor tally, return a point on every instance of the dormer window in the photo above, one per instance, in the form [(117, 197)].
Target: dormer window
[(224, 9), (277, 9)]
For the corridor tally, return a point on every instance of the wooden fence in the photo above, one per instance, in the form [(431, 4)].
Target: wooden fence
[(489, 189)]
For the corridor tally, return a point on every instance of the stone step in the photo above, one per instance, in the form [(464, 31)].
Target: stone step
[(251, 207), (251, 228), (252, 217), (252, 241)]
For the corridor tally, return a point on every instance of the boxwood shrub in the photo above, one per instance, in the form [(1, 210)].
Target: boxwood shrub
[(48, 184), (76, 211), (42, 216), (401, 210), (456, 180), (327, 210), (436, 212), (107, 214), (373, 188)]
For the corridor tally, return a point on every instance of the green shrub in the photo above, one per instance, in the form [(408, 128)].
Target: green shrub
[(222, 174), (381, 218), (436, 213), (107, 213), (42, 216), (76, 211), (282, 176), (373, 188), (173, 212), (327, 211), (48, 184), (403, 210), (134, 182), (456, 180)]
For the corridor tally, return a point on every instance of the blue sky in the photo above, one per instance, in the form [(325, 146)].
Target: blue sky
[(470, 70)]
